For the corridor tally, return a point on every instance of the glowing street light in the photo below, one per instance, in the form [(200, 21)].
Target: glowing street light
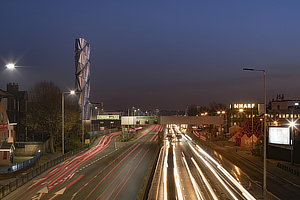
[(292, 124), (10, 66)]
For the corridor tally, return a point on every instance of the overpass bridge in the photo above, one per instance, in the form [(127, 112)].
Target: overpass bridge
[(217, 121)]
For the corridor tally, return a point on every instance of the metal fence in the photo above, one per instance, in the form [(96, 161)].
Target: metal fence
[(25, 177), (20, 165)]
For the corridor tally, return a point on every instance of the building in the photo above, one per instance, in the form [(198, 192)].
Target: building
[(282, 112), (16, 110), (6, 133), (82, 73), (283, 115), (239, 112)]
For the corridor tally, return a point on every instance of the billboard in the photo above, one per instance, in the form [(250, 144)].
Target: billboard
[(279, 135), (108, 117)]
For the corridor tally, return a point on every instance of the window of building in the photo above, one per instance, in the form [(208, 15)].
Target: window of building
[(292, 116), (287, 115), (272, 116), (279, 115), (278, 107), (283, 115), (4, 155)]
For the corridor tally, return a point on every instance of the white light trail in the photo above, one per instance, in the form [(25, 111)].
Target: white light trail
[(176, 176), (205, 180), (165, 172), (234, 181), (195, 185), (213, 171)]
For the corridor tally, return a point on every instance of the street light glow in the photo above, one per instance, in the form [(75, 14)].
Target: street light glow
[(72, 92), (292, 124), (10, 66)]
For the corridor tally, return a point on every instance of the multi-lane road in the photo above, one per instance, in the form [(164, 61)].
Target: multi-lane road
[(109, 170), (188, 172), (121, 170)]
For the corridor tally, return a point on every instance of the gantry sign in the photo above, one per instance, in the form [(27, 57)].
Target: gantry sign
[(82, 73)]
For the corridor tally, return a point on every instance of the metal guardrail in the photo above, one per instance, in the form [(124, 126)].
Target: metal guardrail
[(20, 165), (25, 177), (288, 168)]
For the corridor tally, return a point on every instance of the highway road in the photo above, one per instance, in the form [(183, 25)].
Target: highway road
[(280, 184), (109, 170), (188, 172)]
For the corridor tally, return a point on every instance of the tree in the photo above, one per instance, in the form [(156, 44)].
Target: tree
[(44, 112), (247, 127), (192, 110), (217, 107)]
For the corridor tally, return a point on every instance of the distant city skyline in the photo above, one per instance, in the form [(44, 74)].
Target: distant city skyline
[(154, 54)]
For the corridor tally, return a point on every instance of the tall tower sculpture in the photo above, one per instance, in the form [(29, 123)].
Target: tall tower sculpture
[(82, 73)]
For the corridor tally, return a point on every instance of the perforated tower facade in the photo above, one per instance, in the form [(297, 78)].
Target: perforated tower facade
[(82, 73)]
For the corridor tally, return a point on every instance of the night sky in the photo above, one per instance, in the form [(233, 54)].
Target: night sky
[(156, 54)]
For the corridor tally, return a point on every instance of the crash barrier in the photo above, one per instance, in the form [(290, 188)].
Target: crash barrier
[(288, 168), (20, 165), (25, 177)]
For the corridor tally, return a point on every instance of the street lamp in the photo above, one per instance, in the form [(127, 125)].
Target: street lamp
[(265, 128), (63, 119), (292, 125), (10, 66)]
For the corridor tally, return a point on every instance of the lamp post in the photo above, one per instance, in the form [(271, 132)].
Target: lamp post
[(63, 120), (82, 121), (252, 131), (265, 128)]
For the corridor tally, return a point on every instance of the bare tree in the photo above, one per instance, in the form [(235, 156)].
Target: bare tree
[(217, 107), (44, 111)]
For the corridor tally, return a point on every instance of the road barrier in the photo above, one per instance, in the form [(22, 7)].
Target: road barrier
[(289, 169), (25, 177), (20, 165)]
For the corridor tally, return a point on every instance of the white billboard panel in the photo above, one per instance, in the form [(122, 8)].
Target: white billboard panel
[(108, 117), (279, 135)]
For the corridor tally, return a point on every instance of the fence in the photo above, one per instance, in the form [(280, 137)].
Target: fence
[(20, 165), (25, 177), (44, 147)]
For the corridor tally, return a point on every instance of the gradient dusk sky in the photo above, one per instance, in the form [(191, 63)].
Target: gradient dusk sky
[(156, 54)]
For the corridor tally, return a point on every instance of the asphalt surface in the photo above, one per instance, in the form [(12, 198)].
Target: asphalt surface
[(281, 184), (111, 170), (189, 172)]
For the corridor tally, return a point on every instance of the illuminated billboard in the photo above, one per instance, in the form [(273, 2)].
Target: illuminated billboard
[(108, 117), (279, 135)]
